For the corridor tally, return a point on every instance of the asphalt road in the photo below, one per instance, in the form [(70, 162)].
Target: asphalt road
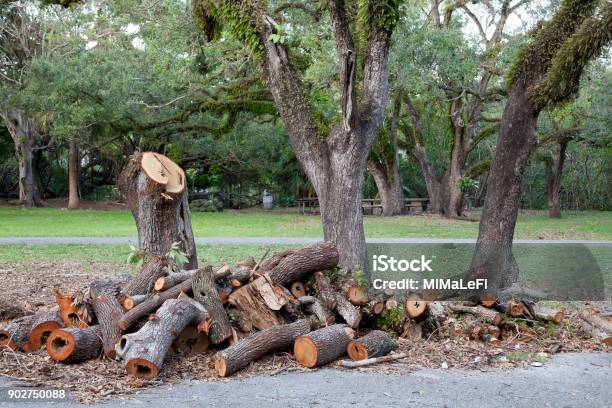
[(270, 240), (568, 380)]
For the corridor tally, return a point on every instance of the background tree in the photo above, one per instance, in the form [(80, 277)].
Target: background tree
[(333, 155), (546, 73)]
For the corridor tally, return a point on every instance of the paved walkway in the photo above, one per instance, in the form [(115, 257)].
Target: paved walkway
[(568, 380), (270, 240)]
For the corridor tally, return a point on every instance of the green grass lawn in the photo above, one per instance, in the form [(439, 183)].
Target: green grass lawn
[(207, 254), (20, 222)]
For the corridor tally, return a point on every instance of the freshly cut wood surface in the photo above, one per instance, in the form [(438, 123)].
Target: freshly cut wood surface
[(72, 314), (42, 327), (548, 313), (173, 278), (374, 344), (414, 306), (323, 346), (74, 345), (154, 190), (275, 338)]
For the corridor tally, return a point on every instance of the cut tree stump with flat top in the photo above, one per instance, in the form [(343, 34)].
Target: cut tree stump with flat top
[(250, 348), (143, 352), (74, 345), (322, 346), (155, 190), (374, 344)]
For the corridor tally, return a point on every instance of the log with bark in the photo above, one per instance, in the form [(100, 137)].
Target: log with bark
[(10, 309), (205, 292), (241, 275), (486, 315), (356, 294), (143, 352), (152, 303), (146, 278), (272, 339), (323, 346), (74, 345), (296, 265), (313, 306), (548, 313), (437, 313), (15, 334), (374, 344), (155, 190), (42, 327), (172, 279), (108, 311), (129, 303), (598, 327), (333, 300)]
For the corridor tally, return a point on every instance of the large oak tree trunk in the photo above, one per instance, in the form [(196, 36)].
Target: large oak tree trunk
[(155, 191), (389, 187), (493, 258), (24, 134), (73, 176)]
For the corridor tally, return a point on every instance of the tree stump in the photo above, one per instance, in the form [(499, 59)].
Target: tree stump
[(275, 338), (205, 292), (108, 311), (143, 352), (322, 346), (155, 190), (74, 345), (42, 327), (374, 344)]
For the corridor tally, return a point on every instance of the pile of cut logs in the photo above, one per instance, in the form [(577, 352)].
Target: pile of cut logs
[(297, 298)]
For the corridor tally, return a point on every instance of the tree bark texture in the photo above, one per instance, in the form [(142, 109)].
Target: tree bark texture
[(15, 334), (299, 264), (144, 282), (275, 338), (374, 344), (322, 346), (74, 345), (205, 292), (162, 216), (108, 311), (25, 135), (143, 352), (152, 303), (73, 176)]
